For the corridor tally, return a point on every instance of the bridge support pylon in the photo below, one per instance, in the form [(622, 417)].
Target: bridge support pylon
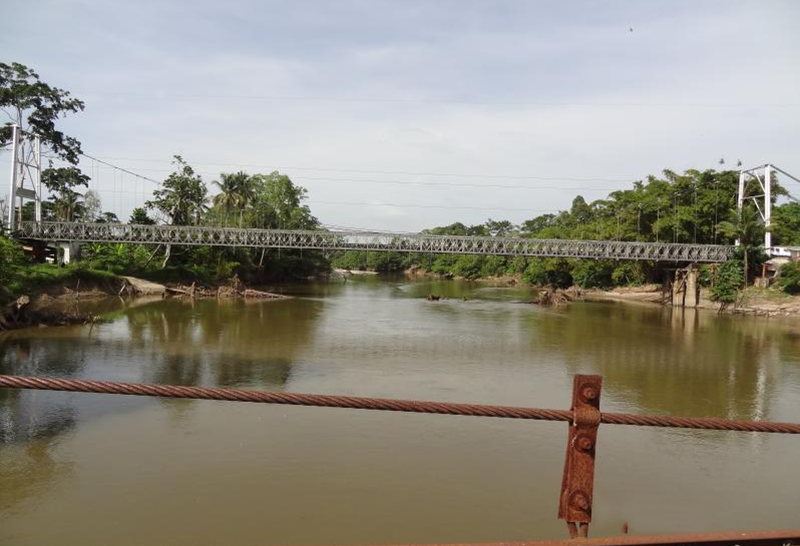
[(26, 166), (686, 287)]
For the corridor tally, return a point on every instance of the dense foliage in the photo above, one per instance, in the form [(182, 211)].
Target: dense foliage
[(727, 282), (11, 260), (790, 277), (248, 201), (693, 207)]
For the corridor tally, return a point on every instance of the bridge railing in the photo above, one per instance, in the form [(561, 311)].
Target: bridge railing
[(373, 241), (584, 417)]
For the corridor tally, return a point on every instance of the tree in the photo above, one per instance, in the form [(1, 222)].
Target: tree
[(746, 227), (499, 228), (108, 218), (64, 179), (139, 216), (786, 224), (182, 196), (236, 192), (278, 203), (92, 206), (789, 278), (35, 107), (68, 205), (61, 183)]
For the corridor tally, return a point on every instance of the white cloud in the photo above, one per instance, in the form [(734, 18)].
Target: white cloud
[(547, 89)]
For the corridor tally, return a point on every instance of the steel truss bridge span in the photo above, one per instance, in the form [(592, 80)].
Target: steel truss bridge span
[(371, 241)]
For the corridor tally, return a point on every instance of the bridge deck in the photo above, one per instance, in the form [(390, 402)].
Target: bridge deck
[(372, 241)]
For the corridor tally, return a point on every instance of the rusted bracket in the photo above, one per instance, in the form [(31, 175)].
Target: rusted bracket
[(577, 484)]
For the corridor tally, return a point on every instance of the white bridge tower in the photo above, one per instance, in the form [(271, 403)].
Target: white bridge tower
[(25, 181)]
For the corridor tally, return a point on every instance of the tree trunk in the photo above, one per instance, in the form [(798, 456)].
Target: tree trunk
[(166, 256), (261, 261), (746, 268)]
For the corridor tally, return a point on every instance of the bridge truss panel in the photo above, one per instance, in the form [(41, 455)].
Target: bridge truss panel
[(372, 241)]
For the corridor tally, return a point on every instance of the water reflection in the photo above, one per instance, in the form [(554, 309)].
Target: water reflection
[(660, 360), (489, 479), (30, 469), (205, 343)]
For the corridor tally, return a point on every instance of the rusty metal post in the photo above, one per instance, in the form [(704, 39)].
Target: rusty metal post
[(577, 484)]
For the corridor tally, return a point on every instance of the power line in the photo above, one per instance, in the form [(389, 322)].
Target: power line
[(420, 206), (367, 203), (424, 100), (422, 183), (409, 173)]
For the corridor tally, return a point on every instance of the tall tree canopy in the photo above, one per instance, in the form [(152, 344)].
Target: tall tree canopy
[(182, 196), (61, 183), (36, 106)]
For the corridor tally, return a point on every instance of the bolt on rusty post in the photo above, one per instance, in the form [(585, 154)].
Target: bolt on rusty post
[(577, 484)]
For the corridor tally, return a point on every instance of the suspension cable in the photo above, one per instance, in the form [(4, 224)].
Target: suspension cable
[(384, 404)]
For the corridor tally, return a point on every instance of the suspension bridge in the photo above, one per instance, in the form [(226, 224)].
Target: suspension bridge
[(27, 165)]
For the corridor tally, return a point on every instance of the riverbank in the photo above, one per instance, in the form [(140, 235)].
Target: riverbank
[(763, 302), (44, 295)]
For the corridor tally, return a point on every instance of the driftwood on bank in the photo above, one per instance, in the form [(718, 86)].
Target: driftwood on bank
[(233, 289), (549, 297)]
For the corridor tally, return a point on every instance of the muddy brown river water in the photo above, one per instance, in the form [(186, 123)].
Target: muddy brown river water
[(97, 469)]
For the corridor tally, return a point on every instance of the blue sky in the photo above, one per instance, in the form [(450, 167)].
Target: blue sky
[(419, 104)]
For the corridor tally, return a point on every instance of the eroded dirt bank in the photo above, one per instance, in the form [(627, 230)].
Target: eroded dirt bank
[(53, 305), (753, 301)]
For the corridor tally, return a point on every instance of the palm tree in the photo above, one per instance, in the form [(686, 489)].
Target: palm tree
[(236, 191), (247, 194), (226, 198), (67, 205), (747, 228)]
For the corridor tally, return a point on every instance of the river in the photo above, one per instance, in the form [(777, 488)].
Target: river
[(99, 469)]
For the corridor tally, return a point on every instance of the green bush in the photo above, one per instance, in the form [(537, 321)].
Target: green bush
[(790, 278), (516, 266), (11, 258), (548, 272), (728, 282), (468, 267), (629, 274), (118, 258), (592, 273)]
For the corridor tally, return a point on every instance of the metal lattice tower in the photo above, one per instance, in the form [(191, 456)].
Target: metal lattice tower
[(26, 170), (763, 174)]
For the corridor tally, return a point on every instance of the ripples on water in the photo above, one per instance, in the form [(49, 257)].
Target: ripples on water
[(116, 470)]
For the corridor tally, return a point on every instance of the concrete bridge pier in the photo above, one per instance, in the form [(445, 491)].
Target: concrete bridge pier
[(686, 287), (66, 251)]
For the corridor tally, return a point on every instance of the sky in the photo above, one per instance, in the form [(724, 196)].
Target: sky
[(404, 115)]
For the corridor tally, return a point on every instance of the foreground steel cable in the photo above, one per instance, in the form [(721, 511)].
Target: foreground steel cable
[(755, 538), (383, 404)]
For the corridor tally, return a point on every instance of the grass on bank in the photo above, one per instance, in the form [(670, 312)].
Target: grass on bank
[(33, 278)]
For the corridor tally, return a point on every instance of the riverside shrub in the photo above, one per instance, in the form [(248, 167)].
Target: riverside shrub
[(790, 278), (728, 282)]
